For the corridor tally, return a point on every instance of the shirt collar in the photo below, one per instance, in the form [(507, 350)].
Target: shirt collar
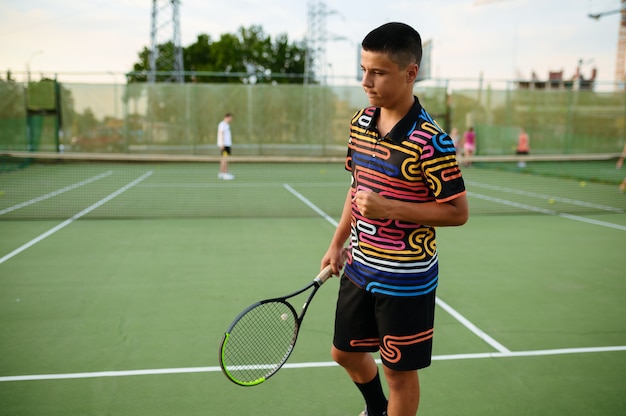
[(404, 127)]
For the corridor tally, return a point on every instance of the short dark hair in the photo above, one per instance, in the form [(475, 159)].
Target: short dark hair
[(400, 41)]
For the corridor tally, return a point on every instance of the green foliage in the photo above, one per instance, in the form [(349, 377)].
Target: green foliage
[(12, 113), (247, 56)]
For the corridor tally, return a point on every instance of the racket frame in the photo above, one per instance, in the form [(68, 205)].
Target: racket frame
[(317, 282)]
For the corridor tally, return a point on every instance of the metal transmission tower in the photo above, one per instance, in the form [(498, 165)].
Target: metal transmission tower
[(166, 52), (315, 20), (316, 39), (315, 127)]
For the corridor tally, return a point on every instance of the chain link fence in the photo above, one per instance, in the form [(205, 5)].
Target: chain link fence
[(289, 119)]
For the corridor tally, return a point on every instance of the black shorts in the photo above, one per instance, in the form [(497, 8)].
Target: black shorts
[(401, 328), (226, 151)]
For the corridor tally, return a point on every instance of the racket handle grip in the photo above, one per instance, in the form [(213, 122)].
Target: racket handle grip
[(327, 271), (324, 275)]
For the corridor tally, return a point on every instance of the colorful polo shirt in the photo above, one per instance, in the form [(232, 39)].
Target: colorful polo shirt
[(415, 162)]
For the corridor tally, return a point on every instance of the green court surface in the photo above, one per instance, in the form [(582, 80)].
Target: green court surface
[(108, 312)]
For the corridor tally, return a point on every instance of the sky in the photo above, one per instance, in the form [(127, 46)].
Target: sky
[(98, 41)]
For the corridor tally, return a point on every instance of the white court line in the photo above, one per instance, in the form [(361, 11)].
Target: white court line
[(74, 217), (235, 184), (547, 211), (215, 369), (464, 321), (477, 331), (544, 197), (55, 193), (502, 352), (311, 205)]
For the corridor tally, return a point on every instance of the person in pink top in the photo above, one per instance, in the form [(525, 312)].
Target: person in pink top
[(523, 146), (469, 145)]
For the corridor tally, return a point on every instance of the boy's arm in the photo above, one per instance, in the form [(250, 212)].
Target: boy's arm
[(334, 254), (449, 213), (220, 137)]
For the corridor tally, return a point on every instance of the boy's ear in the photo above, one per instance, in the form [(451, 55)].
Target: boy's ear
[(411, 73)]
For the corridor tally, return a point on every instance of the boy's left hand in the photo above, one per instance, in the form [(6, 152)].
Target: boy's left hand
[(371, 205)]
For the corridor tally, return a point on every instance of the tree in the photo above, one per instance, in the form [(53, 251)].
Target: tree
[(12, 114), (249, 55)]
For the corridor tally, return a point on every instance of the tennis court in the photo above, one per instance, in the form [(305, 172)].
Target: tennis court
[(118, 279)]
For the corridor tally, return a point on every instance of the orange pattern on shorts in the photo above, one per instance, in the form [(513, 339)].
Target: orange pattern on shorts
[(368, 342), (390, 350)]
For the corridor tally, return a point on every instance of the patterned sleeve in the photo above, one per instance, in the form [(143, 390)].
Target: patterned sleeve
[(439, 164)]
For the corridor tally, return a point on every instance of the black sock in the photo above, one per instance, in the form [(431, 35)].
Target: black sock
[(374, 396)]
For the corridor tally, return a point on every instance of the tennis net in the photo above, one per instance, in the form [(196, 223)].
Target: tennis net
[(62, 186)]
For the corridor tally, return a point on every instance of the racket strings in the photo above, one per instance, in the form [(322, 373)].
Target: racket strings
[(260, 342)]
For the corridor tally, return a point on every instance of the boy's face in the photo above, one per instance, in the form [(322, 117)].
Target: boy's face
[(385, 83)]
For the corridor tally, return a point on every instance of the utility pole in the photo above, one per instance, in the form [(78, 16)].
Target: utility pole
[(166, 52), (315, 33), (620, 62), (317, 38)]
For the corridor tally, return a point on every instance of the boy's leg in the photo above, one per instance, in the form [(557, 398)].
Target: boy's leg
[(407, 347), (363, 371), (355, 320), (360, 366), (224, 161), (404, 392)]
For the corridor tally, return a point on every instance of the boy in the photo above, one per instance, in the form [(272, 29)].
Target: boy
[(405, 182), (224, 142)]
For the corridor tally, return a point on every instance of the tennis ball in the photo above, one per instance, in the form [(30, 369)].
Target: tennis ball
[(284, 317), (583, 184), (550, 201), (1, 193)]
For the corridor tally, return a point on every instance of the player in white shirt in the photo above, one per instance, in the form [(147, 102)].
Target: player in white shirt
[(224, 142)]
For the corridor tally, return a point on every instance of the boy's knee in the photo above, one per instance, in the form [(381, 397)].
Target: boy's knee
[(338, 356), (402, 380), (348, 359)]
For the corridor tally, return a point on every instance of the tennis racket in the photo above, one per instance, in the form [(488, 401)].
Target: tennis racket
[(261, 338)]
